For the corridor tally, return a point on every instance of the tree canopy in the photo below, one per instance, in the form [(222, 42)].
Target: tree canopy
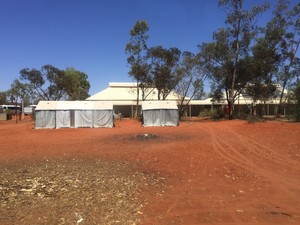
[(164, 69), (228, 57), (51, 83)]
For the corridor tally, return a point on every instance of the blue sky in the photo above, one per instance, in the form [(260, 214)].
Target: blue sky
[(91, 35)]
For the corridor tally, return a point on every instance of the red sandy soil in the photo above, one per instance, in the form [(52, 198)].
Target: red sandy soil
[(216, 172)]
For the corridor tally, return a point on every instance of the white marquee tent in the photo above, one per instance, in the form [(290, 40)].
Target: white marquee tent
[(63, 114), (160, 113)]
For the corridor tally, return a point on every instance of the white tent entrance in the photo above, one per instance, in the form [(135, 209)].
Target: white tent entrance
[(160, 113), (74, 114)]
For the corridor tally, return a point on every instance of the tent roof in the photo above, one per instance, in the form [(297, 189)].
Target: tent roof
[(46, 105), (127, 92), (80, 105), (148, 105)]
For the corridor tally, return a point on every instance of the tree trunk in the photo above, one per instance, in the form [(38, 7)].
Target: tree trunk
[(137, 100), (230, 110)]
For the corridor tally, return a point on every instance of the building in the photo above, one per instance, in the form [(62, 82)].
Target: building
[(124, 97)]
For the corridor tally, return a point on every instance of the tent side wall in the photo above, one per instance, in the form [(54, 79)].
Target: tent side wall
[(45, 119), (83, 118), (63, 119), (66, 114), (103, 118), (160, 117)]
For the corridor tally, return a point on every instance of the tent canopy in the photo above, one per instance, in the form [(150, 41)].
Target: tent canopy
[(151, 105), (73, 105), (59, 114)]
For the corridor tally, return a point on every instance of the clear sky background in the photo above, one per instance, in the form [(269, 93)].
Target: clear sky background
[(91, 35)]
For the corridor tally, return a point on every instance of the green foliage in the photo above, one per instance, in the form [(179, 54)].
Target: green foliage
[(165, 71), (227, 59), (295, 96), (47, 83), (136, 50), (216, 113), (18, 90), (51, 83), (76, 84), (255, 119), (205, 113), (3, 96), (282, 38), (191, 78)]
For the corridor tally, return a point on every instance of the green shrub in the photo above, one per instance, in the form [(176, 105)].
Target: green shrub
[(255, 119), (205, 113), (215, 113)]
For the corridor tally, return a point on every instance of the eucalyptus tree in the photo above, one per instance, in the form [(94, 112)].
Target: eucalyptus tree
[(266, 61), (76, 84), (230, 51), (164, 69), (191, 78), (47, 83), (3, 97), (18, 91), (52, 84), (296, 95), (289, 20), (136, 50)]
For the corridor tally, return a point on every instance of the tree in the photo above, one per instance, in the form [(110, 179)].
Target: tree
[(294, 98), (229, 53), (47, 83), (297, 98), (289, 20), (190, 81), (52, 84), (136, 50), (164, 69), (76, 84), (18, 90), (265, 62), (3, 96)]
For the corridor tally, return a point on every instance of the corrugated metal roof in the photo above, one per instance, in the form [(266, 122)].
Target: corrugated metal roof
[(148, 105), (73, 105)]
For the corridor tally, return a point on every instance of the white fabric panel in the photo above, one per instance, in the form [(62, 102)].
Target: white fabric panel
[(63, 114), (63, 119), (160, 117), (84, 118), (45, 119), (151, 105), (46, 105), (74, 105), (103, 118)]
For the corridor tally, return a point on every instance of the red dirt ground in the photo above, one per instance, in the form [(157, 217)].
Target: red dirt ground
[(217, 172)]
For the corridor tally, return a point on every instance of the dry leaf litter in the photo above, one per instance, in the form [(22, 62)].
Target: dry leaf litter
[(74, 191)]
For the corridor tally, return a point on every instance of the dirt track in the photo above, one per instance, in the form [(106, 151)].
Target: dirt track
[(226, 172)]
